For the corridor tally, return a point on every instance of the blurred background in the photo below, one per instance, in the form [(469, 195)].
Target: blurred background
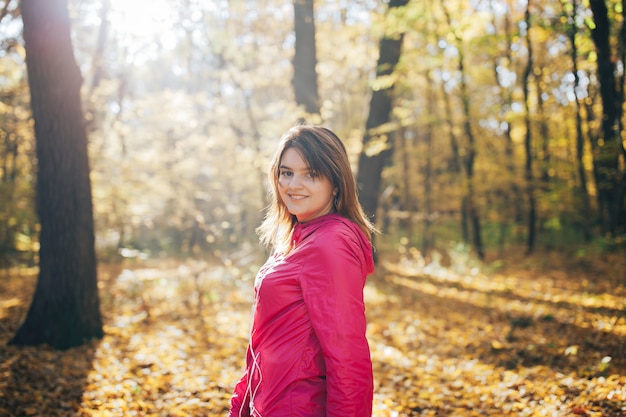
[(494, 138)]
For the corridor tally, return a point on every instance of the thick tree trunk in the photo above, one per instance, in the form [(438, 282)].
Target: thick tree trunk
[(65, 308), (305, 57), (377, 143), (607, 150)]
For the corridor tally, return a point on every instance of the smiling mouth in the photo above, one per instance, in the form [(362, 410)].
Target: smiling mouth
[(297, 197)]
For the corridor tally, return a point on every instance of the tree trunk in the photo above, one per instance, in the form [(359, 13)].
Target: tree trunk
[(607, 150), (582, 192), (469, 199), (544, 134), (454, 166), (305, 57), (409, 204), (65, 310), (510, 198), (374, 157), (530, 183), (427, 240)]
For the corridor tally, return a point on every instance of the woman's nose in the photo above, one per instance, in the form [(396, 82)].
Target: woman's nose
[(296, 181)]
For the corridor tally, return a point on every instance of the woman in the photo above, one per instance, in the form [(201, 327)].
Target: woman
[(308, 355)]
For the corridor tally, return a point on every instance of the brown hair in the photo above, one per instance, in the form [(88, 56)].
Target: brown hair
[(326, 155)]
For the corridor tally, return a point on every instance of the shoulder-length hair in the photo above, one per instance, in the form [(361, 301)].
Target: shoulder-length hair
[(326, 155)]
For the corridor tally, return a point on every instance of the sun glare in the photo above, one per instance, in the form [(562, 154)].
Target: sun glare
[(141, 24)]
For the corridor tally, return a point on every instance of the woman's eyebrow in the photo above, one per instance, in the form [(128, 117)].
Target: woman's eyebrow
[(309, 169)]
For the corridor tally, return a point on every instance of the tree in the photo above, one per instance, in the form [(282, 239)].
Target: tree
[(503, 63), (530, 183), (65, 310), (377, 147), (469, 205), (582, 190), (608, 147), (305, 57), (191, 92), (17, 216)]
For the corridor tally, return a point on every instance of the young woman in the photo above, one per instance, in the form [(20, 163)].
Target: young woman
[(308, 355)]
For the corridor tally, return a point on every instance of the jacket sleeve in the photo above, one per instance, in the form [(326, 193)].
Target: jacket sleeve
[(239, 402), (332, 283)]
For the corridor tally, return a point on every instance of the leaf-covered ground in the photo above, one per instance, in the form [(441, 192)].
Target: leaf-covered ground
[(454, 341)]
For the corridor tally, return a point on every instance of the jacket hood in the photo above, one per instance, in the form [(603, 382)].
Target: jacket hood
[(301, 231)]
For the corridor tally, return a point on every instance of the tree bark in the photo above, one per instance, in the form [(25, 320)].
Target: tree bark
[(305, 57), (371, 162), (608, 148), (65, 310)]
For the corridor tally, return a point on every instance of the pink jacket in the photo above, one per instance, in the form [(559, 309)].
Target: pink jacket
[(308, 355)]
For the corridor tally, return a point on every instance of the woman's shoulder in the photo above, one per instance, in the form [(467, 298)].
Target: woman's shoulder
[(338, 241), (330, 233), (339, 232)]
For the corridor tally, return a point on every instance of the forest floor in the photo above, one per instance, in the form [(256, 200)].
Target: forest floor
[(540, 336)]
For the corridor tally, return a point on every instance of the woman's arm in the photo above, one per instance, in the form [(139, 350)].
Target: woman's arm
[(240, 402), (332, 283)]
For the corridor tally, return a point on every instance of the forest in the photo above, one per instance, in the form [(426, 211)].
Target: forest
[(488, 144)]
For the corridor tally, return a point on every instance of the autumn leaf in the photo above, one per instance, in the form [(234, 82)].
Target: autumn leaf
[(437, 339)]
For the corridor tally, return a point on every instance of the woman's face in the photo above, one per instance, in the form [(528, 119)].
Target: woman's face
[(306, 196)]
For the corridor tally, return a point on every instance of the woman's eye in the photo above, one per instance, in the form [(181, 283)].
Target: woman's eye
[(285, 173)]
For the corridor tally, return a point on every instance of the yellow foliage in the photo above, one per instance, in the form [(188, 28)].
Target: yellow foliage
[(444, 342)]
